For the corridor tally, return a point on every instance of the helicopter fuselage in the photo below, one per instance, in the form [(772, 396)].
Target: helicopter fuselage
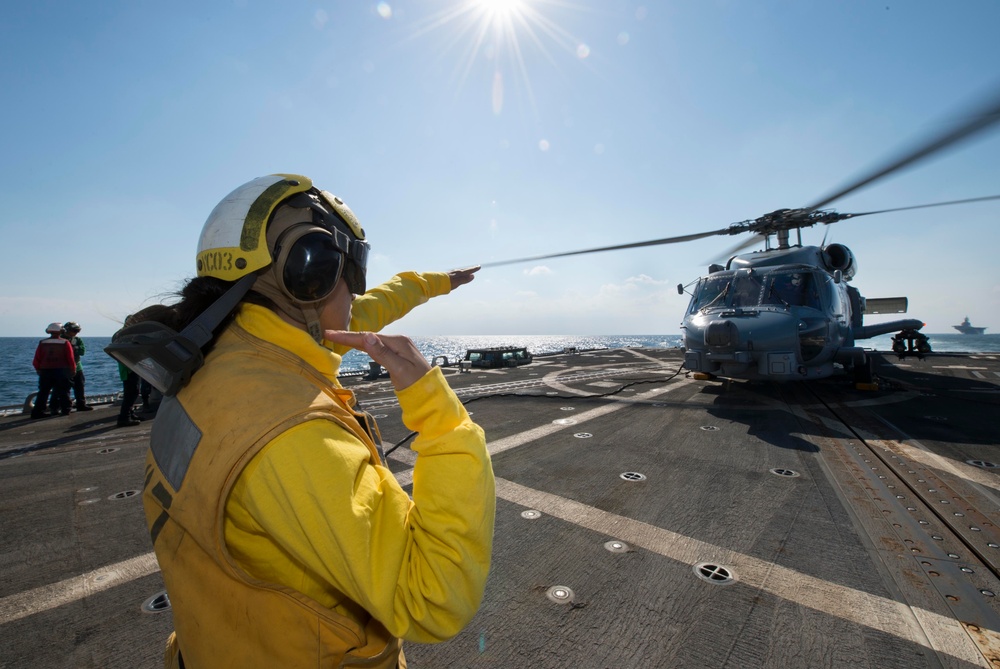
[(783, 314)]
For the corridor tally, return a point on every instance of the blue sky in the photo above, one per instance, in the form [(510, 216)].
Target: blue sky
[(583, 123)]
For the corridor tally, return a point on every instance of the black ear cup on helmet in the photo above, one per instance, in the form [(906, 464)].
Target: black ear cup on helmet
[(311, 266)]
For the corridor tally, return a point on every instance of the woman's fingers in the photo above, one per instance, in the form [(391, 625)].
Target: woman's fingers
[(396, 353), (460, 277)]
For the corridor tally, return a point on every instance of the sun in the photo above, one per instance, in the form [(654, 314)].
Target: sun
[(500, 9), (500, 33)]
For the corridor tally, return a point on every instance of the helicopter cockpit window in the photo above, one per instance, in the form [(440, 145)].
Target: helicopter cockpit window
[(711, 292), (745, 291), (839, 305), (792, 289)]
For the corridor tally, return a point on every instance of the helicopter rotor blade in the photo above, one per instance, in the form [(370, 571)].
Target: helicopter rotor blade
[(756, 238), (925, 206), (980, 118), (735, 228), (616, 247)]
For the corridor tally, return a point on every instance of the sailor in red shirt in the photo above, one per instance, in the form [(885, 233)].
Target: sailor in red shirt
[(56, 365)]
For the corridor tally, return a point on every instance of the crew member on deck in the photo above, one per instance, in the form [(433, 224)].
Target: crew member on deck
[(71, 329), (55, 365), (283, 539)]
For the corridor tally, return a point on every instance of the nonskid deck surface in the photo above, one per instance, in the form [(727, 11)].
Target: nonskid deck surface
[(643, 519)]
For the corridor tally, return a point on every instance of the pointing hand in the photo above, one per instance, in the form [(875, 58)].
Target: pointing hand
[(460, 277)]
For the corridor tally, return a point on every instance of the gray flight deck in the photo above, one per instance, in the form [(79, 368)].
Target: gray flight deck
[(644, 519)]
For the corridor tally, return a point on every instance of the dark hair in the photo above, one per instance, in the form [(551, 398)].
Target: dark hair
[(197, 295)]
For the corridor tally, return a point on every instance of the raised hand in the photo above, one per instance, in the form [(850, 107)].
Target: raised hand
[(405, 364)]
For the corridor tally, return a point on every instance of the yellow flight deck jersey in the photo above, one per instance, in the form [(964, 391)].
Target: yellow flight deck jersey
[(282, 538)]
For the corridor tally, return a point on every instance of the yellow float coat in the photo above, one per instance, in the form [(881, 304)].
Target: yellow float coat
[(294, 545)]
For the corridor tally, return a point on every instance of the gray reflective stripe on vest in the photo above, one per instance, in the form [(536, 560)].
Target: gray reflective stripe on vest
[(173, 441)]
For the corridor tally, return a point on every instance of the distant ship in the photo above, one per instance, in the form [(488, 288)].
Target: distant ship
[(968, 328)]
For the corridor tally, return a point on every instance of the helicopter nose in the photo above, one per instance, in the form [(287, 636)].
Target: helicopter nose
[(722, 334)]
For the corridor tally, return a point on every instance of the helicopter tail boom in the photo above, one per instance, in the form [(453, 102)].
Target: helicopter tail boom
[(868, 331)]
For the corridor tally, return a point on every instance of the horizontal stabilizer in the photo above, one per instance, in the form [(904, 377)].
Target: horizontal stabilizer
[(885, 305), (866, 331)]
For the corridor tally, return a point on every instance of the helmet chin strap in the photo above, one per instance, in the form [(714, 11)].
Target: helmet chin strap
[(306, 315), (313, 326)]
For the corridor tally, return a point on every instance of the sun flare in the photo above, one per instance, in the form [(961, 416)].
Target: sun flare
[(507, 35), (500, 7)]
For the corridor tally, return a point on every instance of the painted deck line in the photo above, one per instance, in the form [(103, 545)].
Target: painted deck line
[(405, 478), (943, 634), (24, 604), (14, 607)]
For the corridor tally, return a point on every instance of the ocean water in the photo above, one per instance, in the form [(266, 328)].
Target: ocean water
[(18, 378)]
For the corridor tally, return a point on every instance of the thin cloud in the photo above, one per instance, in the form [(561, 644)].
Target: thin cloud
[(645, 280), (538, 270)]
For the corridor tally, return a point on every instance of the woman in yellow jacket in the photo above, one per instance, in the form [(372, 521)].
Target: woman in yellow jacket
[(283, 539)]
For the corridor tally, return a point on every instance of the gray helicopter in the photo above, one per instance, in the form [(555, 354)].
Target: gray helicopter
[(788, 312)]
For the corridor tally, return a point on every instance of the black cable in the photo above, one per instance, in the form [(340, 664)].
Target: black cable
[(553, 397)]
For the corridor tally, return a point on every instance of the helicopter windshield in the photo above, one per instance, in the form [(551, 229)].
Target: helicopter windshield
[(791, 289), (745, 291), (711, 291), (727, 290)]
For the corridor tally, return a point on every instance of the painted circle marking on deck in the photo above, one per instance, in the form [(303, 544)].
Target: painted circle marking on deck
[(616, 546), (583, 435), (790, 473), (380, 415), (564, 421), (985, 464), (531, 514), (105, 451), (632, 476), (560, 594), (125, 494), (715, 574), (567, 408), (709, 428)]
